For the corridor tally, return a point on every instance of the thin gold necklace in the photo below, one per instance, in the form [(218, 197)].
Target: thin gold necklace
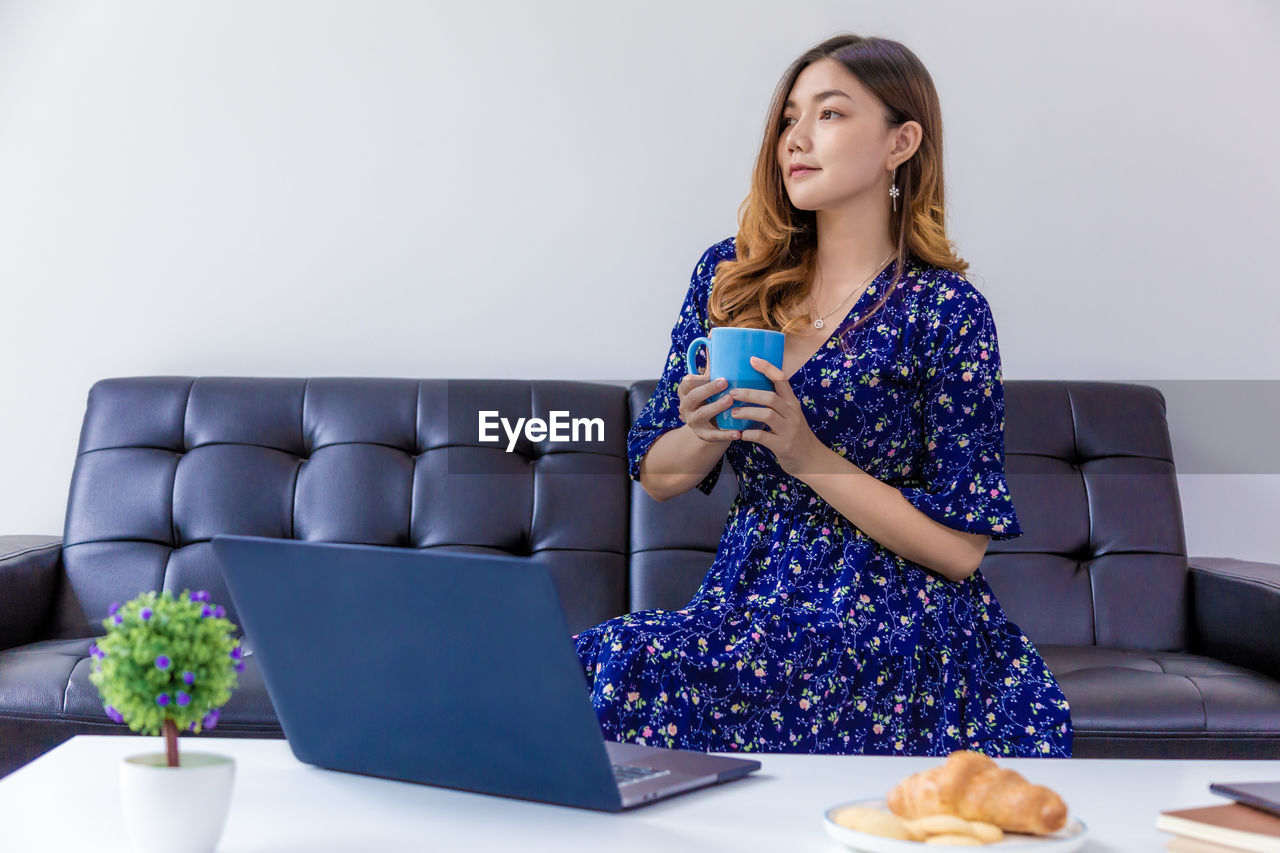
[(818, 323)]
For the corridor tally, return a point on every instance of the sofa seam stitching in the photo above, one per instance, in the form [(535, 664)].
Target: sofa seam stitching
[(533, 483), (413, 471), (302, 440), (1088, 537), (173, 489)]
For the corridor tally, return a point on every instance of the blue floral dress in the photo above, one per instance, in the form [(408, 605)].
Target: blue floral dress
[(806, 635)]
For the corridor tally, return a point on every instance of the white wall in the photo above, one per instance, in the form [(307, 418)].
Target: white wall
[(521, 190)]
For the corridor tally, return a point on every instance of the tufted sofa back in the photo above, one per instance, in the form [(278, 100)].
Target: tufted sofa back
[(166, 463), (1103, 559)]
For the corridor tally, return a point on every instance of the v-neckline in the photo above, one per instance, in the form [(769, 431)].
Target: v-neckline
[(840, 325)]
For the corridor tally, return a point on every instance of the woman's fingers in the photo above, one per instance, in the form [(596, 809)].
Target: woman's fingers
[(716, 434), (690, 381), (707, 389), (774, 375), (754, 413), (752, 395), (769, 401), (763, 437), (708, 411), (695, 390), (703, 421)]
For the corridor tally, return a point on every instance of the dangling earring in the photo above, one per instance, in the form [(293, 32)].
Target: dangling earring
[(894, 192)]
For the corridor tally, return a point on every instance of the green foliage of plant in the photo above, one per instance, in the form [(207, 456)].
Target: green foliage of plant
[(166, 658)]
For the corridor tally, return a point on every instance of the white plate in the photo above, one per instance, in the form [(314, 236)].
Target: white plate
[(1070, 837)]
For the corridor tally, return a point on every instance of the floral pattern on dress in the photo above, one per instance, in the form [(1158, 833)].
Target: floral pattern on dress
[(806, 635)]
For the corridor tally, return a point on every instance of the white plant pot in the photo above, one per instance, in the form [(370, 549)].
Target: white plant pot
[(176, 809)]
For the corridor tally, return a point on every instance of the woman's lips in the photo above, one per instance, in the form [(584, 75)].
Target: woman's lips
[(799, 172)]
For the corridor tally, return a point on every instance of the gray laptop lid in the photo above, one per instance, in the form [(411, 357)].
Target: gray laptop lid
[(404, 699)]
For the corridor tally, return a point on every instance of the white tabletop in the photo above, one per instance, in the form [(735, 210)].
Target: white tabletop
[(69, 800)]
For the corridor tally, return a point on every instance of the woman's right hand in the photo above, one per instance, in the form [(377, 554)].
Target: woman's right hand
[(700, 415)]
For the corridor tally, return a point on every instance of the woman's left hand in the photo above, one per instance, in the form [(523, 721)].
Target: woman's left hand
[(793, 443)]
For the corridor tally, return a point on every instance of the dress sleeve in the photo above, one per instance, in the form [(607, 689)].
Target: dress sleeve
[(662, 413), (962, 409)]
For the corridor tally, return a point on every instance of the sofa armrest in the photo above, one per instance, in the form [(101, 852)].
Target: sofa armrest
[(1235, 608), (29, 568)]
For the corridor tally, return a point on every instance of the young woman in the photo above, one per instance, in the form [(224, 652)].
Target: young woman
[(844, 611)]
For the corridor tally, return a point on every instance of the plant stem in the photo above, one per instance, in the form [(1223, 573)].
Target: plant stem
[(171, 742)]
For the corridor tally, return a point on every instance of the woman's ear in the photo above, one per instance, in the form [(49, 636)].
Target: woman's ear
[(907, 140)]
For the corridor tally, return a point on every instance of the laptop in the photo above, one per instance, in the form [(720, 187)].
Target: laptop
[(449, 669)]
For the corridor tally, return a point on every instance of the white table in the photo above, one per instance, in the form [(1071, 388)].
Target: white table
[(69, 800)]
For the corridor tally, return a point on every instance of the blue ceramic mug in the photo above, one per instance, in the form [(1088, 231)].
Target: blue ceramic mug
[(729, 352)]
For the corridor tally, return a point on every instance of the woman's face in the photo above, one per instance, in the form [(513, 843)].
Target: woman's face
[(843, 136)]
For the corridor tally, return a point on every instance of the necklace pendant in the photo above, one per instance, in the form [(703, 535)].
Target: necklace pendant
[(817, 324)]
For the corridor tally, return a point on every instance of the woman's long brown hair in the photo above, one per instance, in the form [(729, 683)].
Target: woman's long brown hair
[(767, 285)]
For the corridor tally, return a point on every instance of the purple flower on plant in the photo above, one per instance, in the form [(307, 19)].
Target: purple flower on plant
[(211, 718), (145, 613), (200, 595), (162, 662), (95, 652), (113, 714), (111, 611), (206, 612), (162, 700), (220, 611), (237, 653), (239, 666), (118, 619), (189, 677), (184, 699)]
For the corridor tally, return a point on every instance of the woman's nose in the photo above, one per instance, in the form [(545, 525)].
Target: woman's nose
[(797, 139)]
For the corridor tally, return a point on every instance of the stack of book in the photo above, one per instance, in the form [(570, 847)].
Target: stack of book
[(1227, 828)]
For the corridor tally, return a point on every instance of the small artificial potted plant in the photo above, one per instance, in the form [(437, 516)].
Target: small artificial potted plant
[(166, 665)]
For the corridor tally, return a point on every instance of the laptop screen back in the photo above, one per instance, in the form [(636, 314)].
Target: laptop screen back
[(445, 668)]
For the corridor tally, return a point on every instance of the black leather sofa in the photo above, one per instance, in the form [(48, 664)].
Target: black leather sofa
[(1159, 656)]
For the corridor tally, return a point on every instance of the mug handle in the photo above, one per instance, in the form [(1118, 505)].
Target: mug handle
[(690, 359)]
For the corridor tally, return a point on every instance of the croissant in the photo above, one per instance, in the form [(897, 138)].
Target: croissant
[(971, 786)]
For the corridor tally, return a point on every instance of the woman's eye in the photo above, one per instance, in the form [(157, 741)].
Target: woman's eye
[(786, 120)]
